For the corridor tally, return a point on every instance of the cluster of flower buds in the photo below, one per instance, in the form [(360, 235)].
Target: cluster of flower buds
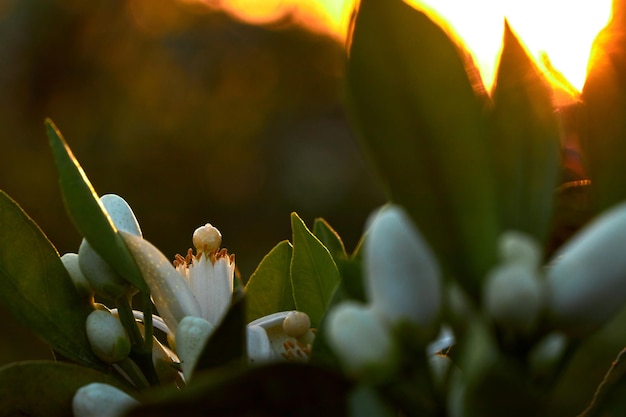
[(402, 284)]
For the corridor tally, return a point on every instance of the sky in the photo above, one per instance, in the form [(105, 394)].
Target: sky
[(563, 29)]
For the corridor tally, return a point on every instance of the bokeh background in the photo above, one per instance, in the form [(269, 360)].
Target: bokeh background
[(191, 115)]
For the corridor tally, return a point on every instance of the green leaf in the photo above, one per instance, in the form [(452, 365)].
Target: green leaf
[(45, 388), (283, 389), (426, 131), (526, 142), (87, 213), (329, 238), (314, 274), (36, 288), (269, 288), (603, 141)]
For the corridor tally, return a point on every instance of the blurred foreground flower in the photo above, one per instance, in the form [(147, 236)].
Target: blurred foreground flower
[(403, 286)]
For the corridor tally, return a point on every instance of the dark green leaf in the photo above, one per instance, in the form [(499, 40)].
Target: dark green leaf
[(314, 274), (87, 213), (285, 389), (329, 238), (228, 342), (526, 142), (269, 288), (36, 288), (45, 389), (426, 131)]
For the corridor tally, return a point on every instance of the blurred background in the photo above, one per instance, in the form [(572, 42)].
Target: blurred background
[(192, 112)]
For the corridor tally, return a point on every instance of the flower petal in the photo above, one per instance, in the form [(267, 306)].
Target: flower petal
[(170, 292)]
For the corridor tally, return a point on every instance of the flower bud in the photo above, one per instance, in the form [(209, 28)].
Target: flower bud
[(192, 334), (514, 296), (121, 214), (586, 278), (70, 261), (100, 275), (360, 338), (107, 336), (519, 248), (402, 278), (207, 238), (101, 400)]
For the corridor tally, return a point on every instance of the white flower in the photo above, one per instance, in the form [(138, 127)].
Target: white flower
[(359, 337), (285, 335), (587, 279), (402, 278), (199, 285), (514, 294), (101, 400)]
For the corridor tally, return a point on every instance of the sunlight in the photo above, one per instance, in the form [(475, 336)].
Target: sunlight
[(562, 29)]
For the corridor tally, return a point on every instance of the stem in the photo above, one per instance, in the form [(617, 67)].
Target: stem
[(610, 376), (141, 347)]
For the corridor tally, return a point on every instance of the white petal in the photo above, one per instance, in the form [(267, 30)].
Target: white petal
[(258, 344), (587, 281), (220, 288), (191, 337), (271, 320), (401, 275), (444, 340), (170, 292), (121, 214), (101, 400)]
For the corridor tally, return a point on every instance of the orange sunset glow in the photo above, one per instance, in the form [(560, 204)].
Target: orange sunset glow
[(562, 29)]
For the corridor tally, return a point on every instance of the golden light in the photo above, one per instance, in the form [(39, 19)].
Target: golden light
[(562, 29)]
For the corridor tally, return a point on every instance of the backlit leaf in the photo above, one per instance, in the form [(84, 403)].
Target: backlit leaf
[(87, 213)]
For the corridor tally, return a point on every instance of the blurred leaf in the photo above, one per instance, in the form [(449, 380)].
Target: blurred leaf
[(228, 342), (329, 238), (87, 213), (283, 389), (425, 129), (269, 288), (526, 142), (314, 274), (36, 288), (603, 141), (45, 388)]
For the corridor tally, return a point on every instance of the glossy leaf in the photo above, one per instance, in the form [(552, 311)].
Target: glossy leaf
[(284, 389), (87, 213), (526, 142), (269, 288), (314, 274), (425, 129), (45, 388), (603, 141), (36, 288)]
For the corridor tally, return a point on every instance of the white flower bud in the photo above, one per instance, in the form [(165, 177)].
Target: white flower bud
[(101, 400), (100, 275), (402, 278), (514, 296), (192, 334), (587, 278), (121, 214), (519, 248), (70, 261), (107, 337), (360, 338)]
